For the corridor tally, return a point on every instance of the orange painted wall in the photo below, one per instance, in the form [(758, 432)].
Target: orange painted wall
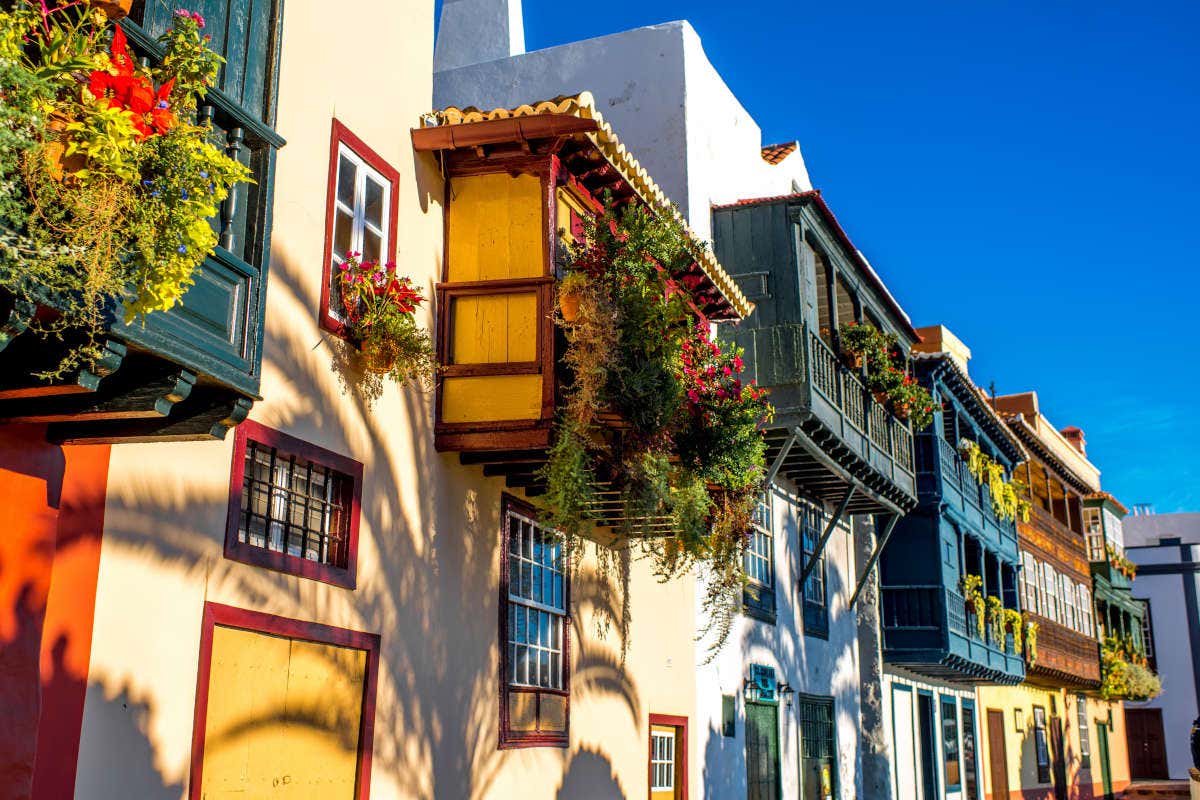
[(51, 520)]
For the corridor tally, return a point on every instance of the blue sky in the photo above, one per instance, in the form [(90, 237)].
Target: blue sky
[(1024, 172)]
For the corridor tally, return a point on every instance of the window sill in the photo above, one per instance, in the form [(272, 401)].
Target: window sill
[(760, 614), (342, 577)]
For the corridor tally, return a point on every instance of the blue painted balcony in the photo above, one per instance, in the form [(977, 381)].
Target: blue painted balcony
[(927, 626), (790, 256), (193, 372)]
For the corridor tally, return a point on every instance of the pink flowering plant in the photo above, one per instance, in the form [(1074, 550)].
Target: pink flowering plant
[(380, 311)]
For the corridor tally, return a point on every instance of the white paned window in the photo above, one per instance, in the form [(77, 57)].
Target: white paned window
[(1051, 592), (662, 761), (1039, 583), (362, 208), (760, 554), (537, 606), (1067, 592), (1094, 530), (1086, 624)]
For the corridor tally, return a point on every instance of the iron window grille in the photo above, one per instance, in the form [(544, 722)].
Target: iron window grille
[(293, 506), (1040, 744), (1085, 745)]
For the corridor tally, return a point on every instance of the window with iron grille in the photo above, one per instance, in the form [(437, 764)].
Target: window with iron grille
[(816, 611), (758, 596), (817, 746), (535, 632), (1041, 745), (293, 506), (662, 761)]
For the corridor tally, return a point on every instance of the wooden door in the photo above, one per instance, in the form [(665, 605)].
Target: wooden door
[(1058, 759), (997, 754), (1105, 761), (762, 752), (928, 740), (1147, 750)]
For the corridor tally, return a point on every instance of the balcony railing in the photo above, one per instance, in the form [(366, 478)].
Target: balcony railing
[(1066, 655), (927, 628)]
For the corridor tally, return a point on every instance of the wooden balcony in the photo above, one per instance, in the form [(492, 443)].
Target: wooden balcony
[(845, 437), (967, 501), (1064, 657), (192, 372), (926, 629)]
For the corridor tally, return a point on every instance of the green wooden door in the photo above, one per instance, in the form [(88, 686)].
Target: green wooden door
[(762, 751), (1105, 767)]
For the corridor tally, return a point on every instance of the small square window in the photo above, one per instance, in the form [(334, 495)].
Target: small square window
[(361, 215), (293, 506)]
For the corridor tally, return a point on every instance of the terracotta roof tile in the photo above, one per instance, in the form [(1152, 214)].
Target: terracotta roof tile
[(774, 153)]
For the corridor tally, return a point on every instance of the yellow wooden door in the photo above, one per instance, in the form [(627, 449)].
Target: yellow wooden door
[(283, 718), (666, 780)]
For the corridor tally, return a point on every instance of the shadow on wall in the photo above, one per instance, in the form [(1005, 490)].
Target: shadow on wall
[(724, 764), (589, 775), (432, 594), (127, 769)]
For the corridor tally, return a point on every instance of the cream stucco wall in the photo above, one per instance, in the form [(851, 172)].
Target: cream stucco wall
[(428, 567)]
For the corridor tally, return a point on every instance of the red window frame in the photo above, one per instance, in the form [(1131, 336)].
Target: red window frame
[(244, 619), (510, 739), (340, 135), (681, 751), (346, 577)]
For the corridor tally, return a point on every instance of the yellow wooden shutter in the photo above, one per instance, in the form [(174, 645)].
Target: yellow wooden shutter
[(283, 718)]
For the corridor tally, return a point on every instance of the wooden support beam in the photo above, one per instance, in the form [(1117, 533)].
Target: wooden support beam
[(820, 546), (147, 390), (874, 559), (208, 413)]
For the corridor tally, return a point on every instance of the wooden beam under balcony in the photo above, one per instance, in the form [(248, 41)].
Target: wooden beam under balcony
[(207, 413), (29, 355), (146, 389)]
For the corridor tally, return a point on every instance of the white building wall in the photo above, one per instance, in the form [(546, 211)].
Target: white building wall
[(1176, 637), (809, 665), (900, 704)]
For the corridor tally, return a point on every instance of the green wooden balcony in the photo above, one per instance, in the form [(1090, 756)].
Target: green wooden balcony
[(850, 438), (192, 372)]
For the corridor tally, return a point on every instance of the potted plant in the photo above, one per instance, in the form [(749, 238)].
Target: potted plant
[(570, 293), (864, 344), (1031, 634), (381, 318), (911, 400), (996, 621), (1012, 623), (109, 178), (972, 590)]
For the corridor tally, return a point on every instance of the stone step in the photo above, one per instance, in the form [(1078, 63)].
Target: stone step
[(1156, 790)]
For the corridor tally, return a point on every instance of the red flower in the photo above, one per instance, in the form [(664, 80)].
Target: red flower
[(149, 111)]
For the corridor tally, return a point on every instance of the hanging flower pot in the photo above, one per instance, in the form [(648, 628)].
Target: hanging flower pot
[(854, 360), (902, 410), (880, 397), (113, 9), (570, 295), (379, 356)]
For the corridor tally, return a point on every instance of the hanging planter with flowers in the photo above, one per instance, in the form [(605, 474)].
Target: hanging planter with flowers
[(381, 318), (655, 407), (107, 178), (865, 346)]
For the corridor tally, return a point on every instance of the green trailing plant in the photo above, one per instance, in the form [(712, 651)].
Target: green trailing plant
[(107, 180), (996, 622), (972, 591), (653, 407), (1124, 674), (1013, 623), (1031, 637), (1008, 504)]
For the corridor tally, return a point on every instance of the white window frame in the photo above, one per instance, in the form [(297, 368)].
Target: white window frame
[(760, 565), (1087, 623), (357, 214), (662, 761)]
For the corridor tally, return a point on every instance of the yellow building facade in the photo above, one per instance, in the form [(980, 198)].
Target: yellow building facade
[(1020, 746)]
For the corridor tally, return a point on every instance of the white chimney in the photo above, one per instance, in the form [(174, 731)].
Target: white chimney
[(475, 31)]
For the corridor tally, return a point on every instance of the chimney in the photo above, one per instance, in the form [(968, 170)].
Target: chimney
[(939, 339), (475, 31), (1075, 437)]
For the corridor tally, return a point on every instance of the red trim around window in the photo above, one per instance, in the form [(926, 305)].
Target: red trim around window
[(681, 752), (510, 739), (215, 614), (342, 135), (346, 577)]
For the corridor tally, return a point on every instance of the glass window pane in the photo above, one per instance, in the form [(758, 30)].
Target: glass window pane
[(374, 203), (343, 228), (346, 180), (371, 246)]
